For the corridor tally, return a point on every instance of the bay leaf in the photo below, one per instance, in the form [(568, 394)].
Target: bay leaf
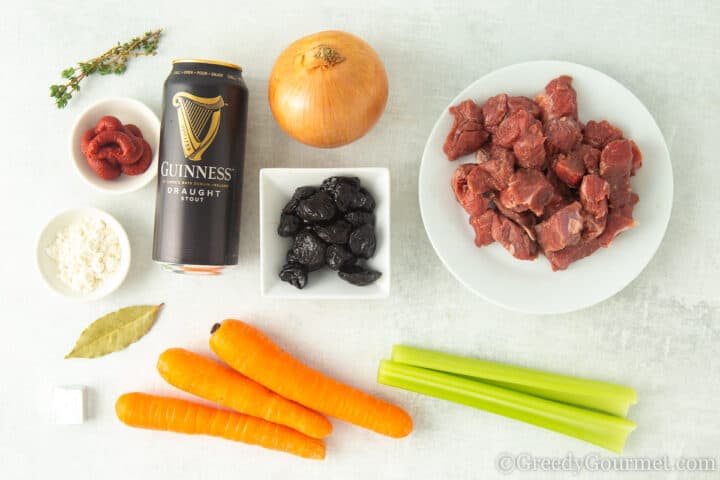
[(115, 331)]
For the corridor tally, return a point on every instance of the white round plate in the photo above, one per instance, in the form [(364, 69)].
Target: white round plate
[(48, 267), (127, 110), (532, 287)]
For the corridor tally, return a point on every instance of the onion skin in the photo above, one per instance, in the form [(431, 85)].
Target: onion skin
[(328, 89)]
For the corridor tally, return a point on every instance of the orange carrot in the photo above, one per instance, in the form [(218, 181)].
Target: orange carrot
[(212, 381), (172, 414), (250, 352)]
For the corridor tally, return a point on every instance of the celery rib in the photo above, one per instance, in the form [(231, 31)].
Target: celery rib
[(604, 397), (604, 430)]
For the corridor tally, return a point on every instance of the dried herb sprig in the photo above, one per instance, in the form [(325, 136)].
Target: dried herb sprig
[(114, 61)]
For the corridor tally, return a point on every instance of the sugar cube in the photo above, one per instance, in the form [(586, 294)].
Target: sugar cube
[(69, 404)]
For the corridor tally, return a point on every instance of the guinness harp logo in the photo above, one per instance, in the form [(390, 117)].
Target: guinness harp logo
[(199, 121)]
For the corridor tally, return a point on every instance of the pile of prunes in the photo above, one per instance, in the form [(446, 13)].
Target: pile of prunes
[(332, 225)]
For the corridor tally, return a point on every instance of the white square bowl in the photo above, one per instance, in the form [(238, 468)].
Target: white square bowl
[(276, 187)]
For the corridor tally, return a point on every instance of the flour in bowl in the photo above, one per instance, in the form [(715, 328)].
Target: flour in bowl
[(87, 252)]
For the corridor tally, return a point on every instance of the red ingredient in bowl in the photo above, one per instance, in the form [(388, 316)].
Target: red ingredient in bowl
[(112, 148)]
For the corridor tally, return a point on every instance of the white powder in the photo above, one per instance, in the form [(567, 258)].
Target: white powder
[(86, 252)]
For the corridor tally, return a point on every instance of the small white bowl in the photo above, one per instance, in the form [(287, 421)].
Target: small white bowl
[(127, 110), (276, 187), (48, 267)]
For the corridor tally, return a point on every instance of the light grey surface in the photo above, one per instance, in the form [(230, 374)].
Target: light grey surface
[(660, 334)]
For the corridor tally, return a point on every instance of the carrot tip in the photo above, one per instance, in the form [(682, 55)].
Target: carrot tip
[(214, 328)]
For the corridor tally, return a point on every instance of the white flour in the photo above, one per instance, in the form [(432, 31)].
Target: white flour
[(87, 252)]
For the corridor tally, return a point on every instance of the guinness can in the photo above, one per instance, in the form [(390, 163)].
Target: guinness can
[(200, 168)]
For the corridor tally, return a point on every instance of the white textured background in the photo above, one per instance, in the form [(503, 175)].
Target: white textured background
[(661, 334)]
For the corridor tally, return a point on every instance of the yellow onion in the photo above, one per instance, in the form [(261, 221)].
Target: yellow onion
[(328, 89)]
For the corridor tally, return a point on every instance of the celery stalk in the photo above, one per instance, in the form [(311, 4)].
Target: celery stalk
[(606, 431), (604, 397)]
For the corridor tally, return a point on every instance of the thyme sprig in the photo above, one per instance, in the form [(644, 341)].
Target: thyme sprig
[(114, 61)]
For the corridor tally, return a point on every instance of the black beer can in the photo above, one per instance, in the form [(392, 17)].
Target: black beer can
[(200, 168)]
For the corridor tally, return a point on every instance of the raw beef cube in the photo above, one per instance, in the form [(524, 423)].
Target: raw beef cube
[(479, 181), (512, 127), (526, 220), (528, 189), (616, 162), (500, 165), (561, 229), (561, 259), (589, 155), (523, 103), (473, 203), (523, 133), (494, 110), (563, 134), (617, 222), (467, 133), (559, 99), (482, 224), (569, 168), (599, 134), (497, 108), (616, 159), (513, 238), (458, 182), (594, 192), (529, 149)]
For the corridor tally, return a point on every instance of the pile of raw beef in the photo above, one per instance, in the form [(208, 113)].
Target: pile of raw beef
[(543, 181)]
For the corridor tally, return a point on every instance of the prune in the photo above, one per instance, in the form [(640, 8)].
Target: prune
[(337, 257), (360, 218), (363, 201), (309, 250), (337, 232), (317, 208), (343, 190), (362, 241), (346, 196), (358, 275), (331, 183), (294, 274), (289, 225), (301, 193)]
